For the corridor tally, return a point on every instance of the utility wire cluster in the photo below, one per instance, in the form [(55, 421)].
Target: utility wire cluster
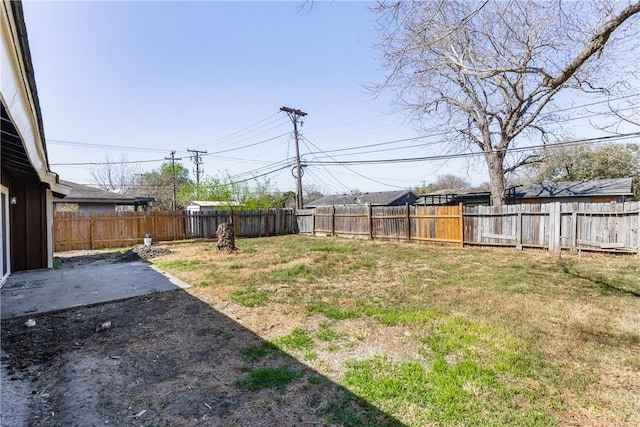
[(343, 157)]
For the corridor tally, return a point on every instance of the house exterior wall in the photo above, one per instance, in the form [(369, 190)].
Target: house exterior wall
[(31, 216), (407, 198), (29, 232), (85, 207), (193, 208)]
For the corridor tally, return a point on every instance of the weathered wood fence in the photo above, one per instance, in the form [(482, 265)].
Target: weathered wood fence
[(77, 230), (610, 227), (607, 227), (423, 223)]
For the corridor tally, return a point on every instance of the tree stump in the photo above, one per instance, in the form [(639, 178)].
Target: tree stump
[(226, 238)]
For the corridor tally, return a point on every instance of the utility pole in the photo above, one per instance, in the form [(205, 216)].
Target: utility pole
[(294, 114), (198, 168), (173, 159)]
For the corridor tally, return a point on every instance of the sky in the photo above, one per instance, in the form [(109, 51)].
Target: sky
[(135, 81)]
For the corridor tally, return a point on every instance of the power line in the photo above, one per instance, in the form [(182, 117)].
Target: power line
[(248, 145), (444, 133), (160, 160), (476, 153), (133, 148), (260, 175), (243, 130), (355, 172), (101, 146), (325, 168), (107, 163)]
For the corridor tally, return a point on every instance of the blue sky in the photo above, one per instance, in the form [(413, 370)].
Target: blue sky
[(140, 79)]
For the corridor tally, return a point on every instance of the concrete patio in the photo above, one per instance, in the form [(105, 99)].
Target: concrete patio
[(43, 291)]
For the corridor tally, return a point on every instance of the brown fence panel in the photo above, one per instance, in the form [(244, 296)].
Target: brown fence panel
[(611, 227), (265, 222), (527, 225), (390, 222), (71, 232), (352, 221), (305, 221), (437, 224), (115, 229), (167, 225), (442, 224), (119, 229), (606, 227), (205, 224), (100, 230), (324, 221)]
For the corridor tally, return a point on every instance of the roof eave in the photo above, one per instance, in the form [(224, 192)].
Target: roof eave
[(19, 94)]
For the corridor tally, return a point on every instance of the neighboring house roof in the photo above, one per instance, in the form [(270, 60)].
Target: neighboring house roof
[(595, 188), (380, 198), (85, 194)]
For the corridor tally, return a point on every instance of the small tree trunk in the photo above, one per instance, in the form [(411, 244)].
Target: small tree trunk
[(226, 238)]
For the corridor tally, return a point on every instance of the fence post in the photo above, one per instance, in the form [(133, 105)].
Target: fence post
[(333, 220), (407, 221), (147, 227), (461, 210), (638, 231), (235, 220), (574, 226), (91, 231), (370, 220), (519, 229), (554, 227)]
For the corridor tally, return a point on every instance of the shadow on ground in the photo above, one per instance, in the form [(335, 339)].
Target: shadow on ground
[(166, 359)]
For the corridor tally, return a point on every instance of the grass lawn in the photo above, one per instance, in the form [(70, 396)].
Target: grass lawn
[(433, 335)]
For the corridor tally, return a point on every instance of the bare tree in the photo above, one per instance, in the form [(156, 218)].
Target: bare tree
[(445, 182), (486, 71), (116, 175)]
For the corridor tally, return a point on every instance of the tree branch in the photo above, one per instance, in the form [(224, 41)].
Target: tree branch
[(595, 45)]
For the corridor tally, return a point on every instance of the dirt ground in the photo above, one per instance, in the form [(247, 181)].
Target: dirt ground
[(166, 359)]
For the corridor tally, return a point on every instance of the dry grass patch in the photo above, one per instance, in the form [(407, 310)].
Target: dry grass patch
[(437, 335)]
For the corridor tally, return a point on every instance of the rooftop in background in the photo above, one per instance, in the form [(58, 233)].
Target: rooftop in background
[(379, 198), (96, 199), (595, 191), (595, 188), (83, 193)]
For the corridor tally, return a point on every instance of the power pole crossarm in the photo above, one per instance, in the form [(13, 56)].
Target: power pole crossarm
[(294, 114)]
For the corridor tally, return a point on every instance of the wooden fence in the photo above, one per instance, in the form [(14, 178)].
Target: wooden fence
[(605, 227), (76, 230), (609, 227), (423, 223), (305, 220), (264, 222)]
